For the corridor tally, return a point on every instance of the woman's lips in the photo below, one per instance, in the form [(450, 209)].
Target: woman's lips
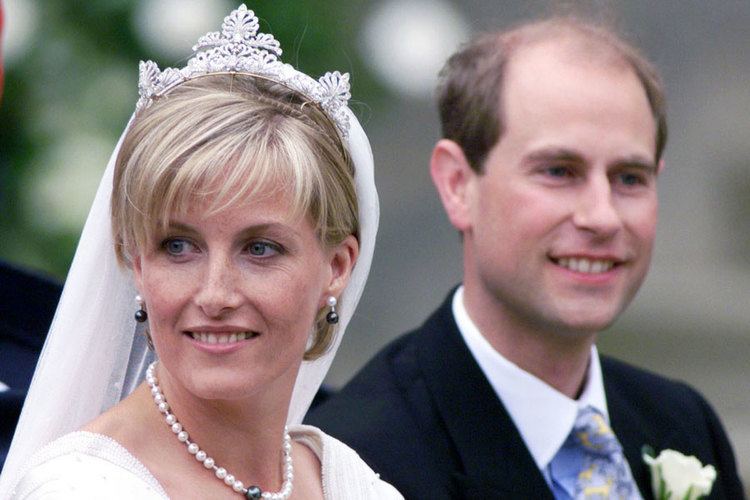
[(221, 338), (218, 339)]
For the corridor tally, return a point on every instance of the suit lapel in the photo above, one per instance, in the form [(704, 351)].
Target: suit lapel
[(632, 427), (495, 459)]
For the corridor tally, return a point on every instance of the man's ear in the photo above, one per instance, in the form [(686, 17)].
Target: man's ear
[(660, 167), (453, 178), (342, 260)]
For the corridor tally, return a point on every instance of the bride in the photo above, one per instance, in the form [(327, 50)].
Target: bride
[(239, 210)]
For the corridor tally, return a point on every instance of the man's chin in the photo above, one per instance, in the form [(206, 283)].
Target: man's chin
[(586, 322)]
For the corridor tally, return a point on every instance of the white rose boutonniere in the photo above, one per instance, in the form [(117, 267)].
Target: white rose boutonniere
[(675, 476)]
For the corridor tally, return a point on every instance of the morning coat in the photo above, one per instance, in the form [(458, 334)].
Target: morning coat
[(423, 415)]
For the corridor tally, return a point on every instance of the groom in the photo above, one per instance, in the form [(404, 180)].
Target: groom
[(553, 135)]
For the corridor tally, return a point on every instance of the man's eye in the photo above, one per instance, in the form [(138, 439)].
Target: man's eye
[(559, 171), (631, 179), (262, 249)]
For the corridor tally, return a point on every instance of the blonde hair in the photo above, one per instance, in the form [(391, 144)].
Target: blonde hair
[(228, 138)]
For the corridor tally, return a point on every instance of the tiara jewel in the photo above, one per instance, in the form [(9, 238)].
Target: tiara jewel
[(240, 48)]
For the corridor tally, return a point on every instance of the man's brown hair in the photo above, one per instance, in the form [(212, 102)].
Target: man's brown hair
[(470, 83)]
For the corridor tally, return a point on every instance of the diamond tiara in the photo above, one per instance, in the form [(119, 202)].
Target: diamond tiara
[(240, 48)]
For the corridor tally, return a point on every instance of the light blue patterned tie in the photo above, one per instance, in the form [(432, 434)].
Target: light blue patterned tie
[(590, 465)]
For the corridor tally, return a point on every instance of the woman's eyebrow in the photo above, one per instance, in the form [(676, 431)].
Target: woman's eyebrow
[(274, 228), (173, 225)]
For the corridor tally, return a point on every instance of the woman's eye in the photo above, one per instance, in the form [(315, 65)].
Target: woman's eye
[(176, 246), (262, 249)]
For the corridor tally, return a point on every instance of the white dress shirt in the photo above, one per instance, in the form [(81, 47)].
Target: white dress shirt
[(543, 415)]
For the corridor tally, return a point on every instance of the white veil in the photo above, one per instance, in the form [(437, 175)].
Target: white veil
[(93, 357)]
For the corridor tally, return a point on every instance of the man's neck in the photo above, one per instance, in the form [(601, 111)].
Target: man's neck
[(559, 359)]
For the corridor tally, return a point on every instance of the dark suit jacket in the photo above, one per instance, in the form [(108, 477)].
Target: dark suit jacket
[(27, 304), (423, 415)]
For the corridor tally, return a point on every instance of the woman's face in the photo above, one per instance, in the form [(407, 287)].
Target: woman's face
[(232, 297)]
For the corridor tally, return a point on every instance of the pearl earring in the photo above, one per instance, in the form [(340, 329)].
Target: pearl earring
[(140, 315), (332, 317)]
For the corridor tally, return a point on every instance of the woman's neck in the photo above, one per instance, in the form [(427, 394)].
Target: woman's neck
[(248, 447), (244, 436)]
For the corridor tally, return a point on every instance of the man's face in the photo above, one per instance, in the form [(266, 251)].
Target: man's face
[(562, 221)]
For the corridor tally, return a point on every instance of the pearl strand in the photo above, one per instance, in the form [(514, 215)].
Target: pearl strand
[(251, 492)]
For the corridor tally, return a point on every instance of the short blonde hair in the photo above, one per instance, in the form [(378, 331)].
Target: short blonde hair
[(269, 136)]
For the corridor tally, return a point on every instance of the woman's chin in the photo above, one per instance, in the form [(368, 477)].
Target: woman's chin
[(231, 384), (222, 386)]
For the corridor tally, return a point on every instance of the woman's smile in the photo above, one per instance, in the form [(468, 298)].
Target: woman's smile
[(222, 337), (220, 342), (234, 292)]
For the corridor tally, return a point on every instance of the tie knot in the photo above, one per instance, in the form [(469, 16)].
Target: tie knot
[(593, 433)]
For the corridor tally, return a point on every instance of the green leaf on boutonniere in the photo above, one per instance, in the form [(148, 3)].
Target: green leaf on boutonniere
[(663, 494)]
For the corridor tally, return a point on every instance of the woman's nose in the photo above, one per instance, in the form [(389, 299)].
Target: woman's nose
[(218, 293)]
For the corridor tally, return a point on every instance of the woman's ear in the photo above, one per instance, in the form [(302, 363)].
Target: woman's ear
[(342, 260)]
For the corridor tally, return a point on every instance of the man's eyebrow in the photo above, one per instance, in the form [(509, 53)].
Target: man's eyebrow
[(568, 155), (557, 154), (637, 162)]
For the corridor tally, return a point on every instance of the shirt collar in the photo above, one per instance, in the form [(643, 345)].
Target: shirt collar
[(523, 394)]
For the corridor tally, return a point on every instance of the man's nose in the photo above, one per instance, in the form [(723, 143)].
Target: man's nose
[(596, 210)]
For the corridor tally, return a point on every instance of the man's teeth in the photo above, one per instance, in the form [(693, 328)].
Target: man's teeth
[(222, 338), (586, 265)]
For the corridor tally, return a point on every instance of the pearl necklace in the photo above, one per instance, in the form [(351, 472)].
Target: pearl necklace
[(251, 492)]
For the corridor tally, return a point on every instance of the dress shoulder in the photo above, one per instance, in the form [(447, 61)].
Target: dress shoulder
[(344, 474), (87, 466)]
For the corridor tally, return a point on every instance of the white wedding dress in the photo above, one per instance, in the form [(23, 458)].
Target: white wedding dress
[(88, 466)]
